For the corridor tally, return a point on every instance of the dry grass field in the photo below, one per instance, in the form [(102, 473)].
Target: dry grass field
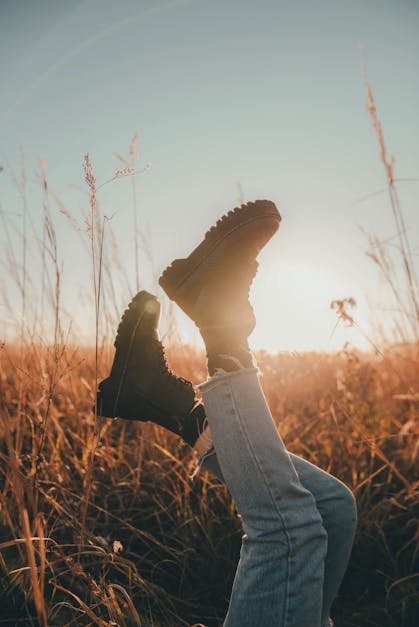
[(100, 521), (111, 530)]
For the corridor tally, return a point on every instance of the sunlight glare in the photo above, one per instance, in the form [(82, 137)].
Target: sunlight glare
[(292, 305)]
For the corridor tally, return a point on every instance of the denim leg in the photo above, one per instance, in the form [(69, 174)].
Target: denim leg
[(337, 507), (279, 579)]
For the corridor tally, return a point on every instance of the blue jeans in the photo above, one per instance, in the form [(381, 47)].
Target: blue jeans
[(298, 521)]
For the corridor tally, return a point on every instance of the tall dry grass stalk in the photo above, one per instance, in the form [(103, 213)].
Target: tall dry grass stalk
[(96, 234), (129, 170), (406, 294)]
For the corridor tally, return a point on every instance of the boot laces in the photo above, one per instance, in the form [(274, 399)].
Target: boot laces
[(164, 366)]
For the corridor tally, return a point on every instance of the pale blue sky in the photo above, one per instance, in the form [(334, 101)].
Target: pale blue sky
[(268, 94)]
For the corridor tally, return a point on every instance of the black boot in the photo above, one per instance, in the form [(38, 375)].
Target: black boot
[(212, 284), (140, 385)]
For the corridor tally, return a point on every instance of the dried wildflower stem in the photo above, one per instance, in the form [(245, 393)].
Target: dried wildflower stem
[(96, 232), (343, 315), (404, 245), (55, 353), (24, 236), (91, 182), (19, 181)]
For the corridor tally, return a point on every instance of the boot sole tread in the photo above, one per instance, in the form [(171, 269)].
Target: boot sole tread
[(174, 278)]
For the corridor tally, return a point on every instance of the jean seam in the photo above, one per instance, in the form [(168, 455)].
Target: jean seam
[(255, 459)]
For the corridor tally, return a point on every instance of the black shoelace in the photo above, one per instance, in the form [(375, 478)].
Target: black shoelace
[(164, 366)]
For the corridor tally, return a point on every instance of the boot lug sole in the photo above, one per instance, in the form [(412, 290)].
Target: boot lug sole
[(178, 279)]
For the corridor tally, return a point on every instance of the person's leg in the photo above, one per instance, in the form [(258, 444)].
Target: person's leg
[(280, 516), (336, 505), (141, 398), (279, 579)]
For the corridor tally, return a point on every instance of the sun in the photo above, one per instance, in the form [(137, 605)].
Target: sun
[(292, 305)]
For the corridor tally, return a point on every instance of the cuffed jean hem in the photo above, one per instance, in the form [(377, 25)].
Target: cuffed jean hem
[(221, 375)]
